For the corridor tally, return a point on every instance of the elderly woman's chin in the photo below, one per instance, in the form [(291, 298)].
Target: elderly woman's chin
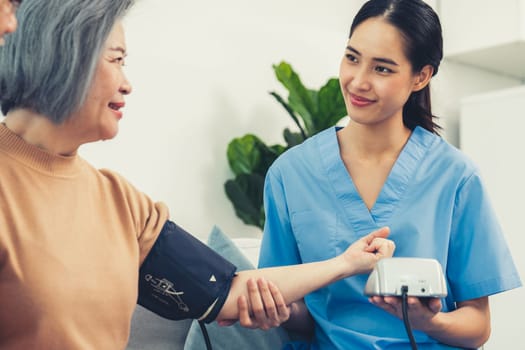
[(108, 132), (106, 129)]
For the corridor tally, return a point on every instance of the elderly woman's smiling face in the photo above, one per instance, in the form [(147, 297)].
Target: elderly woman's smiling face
[(99, 115), (7, 17)]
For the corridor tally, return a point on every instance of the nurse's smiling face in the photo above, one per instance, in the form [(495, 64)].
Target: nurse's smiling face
[(375, 75)]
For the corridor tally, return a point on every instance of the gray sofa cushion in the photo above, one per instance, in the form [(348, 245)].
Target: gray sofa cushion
[(152, 332)]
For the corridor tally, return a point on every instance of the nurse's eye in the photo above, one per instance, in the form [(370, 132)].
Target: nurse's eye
[(384, 70), (351, 58)]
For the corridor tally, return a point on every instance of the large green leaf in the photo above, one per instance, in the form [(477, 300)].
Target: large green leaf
[(331, 105), (299, 98), (291, 113), (243, 154), (246, 194), (248, 154)]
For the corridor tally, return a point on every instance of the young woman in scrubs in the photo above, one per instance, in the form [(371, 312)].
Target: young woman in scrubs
[(388, 167)]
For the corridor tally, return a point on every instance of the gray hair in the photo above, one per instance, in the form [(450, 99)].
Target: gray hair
[(47, 65)]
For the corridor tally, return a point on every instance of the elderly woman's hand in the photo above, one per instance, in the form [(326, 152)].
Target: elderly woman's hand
[(268, 309)]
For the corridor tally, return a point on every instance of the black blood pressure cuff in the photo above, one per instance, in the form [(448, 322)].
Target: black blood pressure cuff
[(183, 278)]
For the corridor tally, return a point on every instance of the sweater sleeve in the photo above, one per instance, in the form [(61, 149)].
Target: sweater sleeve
[(145, 216), (152, 228)]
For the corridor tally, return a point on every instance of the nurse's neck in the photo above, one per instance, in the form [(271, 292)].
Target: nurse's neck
[(372, 141)]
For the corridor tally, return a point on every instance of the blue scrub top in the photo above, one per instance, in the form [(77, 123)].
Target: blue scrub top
[(435, 205)]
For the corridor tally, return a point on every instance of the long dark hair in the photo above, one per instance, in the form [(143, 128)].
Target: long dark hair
[(419, 25)]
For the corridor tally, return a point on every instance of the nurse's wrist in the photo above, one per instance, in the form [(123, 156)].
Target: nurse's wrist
[(436, 326)]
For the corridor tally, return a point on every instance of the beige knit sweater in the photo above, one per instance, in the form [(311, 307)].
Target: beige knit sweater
[(71, 242)]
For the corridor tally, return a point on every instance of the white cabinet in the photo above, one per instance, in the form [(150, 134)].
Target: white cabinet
[(485, 33), (492, 133)]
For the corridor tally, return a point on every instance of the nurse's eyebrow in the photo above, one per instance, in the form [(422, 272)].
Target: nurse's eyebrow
[(377, 59)]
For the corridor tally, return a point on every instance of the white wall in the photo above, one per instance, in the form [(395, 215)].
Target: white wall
[(492, 127), (463, 17), (453, 82)]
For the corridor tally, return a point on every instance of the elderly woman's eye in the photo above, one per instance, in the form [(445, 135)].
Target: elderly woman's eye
[(120, 60)]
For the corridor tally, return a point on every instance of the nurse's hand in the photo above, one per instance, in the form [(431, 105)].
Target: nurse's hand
[(421, 311), (267, 304), (362, 255)]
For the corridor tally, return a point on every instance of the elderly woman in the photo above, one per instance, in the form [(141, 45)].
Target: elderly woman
[(79, 245), (7, 17)]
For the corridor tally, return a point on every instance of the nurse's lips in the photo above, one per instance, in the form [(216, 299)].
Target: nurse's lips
[(360, 101)]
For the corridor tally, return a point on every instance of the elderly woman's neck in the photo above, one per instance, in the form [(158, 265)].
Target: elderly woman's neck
[(38, 130)]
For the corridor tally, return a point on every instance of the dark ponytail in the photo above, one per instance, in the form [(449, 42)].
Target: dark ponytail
[(417, 111)]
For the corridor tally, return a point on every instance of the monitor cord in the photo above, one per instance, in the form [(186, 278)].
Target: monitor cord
[(404, 296), (205, 335)]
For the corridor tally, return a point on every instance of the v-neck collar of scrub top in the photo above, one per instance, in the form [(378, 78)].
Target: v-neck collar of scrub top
[(393, 189)]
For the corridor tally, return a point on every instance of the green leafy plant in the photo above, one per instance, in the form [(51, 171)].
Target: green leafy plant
[(249, 157)]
